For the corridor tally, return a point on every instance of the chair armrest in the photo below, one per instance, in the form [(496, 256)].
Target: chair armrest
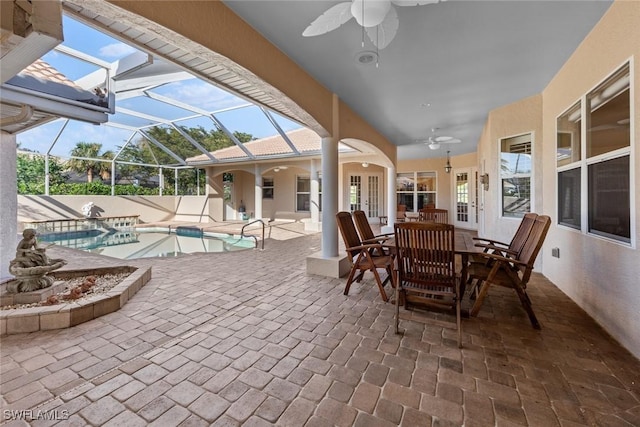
[(367, 246), (392, 234), (490, 241), (377, 239), (500, 258), (496, 248)]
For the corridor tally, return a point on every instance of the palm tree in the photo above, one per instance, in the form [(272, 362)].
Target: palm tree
[(87, 161)]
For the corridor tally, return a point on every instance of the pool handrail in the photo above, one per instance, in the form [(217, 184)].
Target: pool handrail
[(251, 235)]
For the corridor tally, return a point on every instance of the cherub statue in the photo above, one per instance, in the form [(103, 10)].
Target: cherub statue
[(31, 265), (28, 254)]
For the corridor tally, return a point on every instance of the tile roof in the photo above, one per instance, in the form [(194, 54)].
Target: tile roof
[(305, 140), (43, 71)]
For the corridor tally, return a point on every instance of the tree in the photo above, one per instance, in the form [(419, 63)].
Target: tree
[(144, 151), (31, 173), (89, 163)]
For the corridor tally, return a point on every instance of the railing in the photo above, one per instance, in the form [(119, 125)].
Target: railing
[(68, 225), (250, 235)]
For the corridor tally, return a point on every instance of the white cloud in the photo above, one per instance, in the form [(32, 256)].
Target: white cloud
[(116, 50), (205, 96)]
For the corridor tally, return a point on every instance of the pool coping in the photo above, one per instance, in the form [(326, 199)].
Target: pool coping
[(69, 314)]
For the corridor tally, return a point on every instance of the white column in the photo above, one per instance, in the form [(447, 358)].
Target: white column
[(329, 197), (160, 182), (315, 192), (258, 192), (391, 200), (175, 182), (9, 205)]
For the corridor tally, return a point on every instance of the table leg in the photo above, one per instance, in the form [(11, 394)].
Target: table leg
[(464, 273)]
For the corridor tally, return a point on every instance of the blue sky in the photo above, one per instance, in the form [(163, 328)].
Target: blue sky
[(192, 91)]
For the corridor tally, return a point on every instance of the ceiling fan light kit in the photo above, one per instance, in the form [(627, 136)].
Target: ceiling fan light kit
[(371, 15), (434, 141)]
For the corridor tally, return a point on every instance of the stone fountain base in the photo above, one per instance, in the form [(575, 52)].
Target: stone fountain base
[(68, 313)]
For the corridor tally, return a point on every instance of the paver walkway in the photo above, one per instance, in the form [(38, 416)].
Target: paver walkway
[(247, 338)]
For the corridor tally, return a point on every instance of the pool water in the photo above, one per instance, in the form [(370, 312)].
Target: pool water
[(134, 244)]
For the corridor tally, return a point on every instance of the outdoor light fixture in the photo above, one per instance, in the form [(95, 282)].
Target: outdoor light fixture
[(365, 164), (447, 167), (484, 180)]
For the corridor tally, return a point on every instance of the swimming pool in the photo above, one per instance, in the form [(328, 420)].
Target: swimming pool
[(132, 244)]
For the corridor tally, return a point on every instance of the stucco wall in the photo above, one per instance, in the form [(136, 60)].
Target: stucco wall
[(515, 119), (600, 275), (150, 208)]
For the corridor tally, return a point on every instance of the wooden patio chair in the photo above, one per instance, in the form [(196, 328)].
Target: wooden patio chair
[(363, 257), (512, 271), (401, 213), (441, 216), (366, 233), (425, 257), (517, 241), (497, 247)]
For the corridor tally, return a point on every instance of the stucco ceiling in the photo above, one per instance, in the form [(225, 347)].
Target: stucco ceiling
[(449, 65)]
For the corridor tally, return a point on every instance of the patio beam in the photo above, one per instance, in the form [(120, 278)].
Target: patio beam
[(212, 116), (162, 147), (280, 131)]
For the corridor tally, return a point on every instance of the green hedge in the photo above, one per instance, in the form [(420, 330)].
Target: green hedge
[(91, 188)]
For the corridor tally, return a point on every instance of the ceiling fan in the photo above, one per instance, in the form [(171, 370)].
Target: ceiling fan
[(378, 18), (435, 141)]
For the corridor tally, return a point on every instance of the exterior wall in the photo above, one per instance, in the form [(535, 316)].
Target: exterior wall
[(519, 118), (215, 197), (601, 276), (150, 208), (192, 209)]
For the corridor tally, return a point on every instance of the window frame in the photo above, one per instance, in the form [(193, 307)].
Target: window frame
[(415, 192), (271, 187), (531, 175), (585, 162), (297, 192)]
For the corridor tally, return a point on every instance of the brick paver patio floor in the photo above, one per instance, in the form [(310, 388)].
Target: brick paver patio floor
[(248, 338)]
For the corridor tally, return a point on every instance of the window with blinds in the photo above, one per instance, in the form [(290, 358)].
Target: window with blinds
[(515, 175)]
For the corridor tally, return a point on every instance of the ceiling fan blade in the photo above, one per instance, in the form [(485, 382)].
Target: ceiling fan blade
[(331, 19), (414, 2), (384, 33), (446, 140)]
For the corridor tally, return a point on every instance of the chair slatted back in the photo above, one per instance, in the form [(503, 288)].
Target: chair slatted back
[(362, 223), (532, 245), (440, 216), (349, 233), (425, 256), (523, 231)]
